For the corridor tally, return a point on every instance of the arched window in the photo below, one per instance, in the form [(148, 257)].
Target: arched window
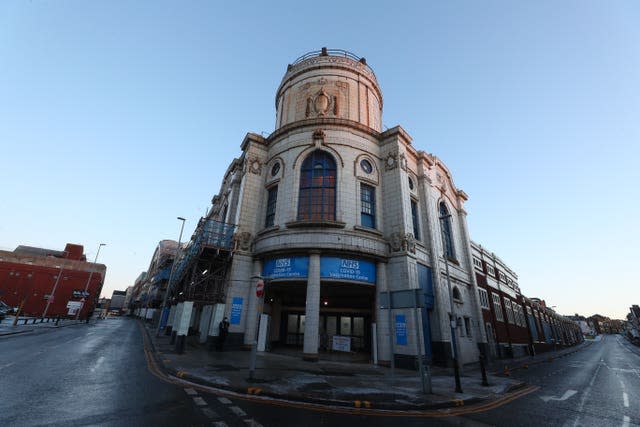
[(456, 294), (447, 235), (317, 199)]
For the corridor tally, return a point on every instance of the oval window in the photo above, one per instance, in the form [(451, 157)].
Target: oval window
[(366, 166), (275, 169)]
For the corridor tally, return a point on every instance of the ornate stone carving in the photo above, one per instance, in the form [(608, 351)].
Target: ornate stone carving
[(243, 240), (255, 166), (391, 162), (399, 242), (319, 134), (402, 160)]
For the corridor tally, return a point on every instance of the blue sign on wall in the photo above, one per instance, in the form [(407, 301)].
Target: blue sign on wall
[(286, 267), (236, 311), (347, 269), (401, 329)]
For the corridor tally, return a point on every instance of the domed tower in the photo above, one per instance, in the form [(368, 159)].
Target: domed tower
[(329, 84), (331, 213)]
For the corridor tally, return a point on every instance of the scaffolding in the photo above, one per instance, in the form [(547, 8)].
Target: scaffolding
[(202, 266)]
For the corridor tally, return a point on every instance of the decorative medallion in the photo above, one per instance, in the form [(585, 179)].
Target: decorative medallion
[(255, 166), (391, 161), (321, 103)]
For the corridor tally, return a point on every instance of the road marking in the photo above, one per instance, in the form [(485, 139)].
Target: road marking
[(224, 400), (585, 395), (625, 399), (625, 421), (98, 363), (191, 392), (567, 394), (210, 413), (7, 365), (622, 385), (239, 412), (199, 401)]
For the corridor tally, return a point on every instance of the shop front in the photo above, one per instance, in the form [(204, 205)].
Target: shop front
[(345, 304)]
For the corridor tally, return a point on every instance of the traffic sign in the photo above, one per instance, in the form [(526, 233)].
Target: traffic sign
[(260, 288)]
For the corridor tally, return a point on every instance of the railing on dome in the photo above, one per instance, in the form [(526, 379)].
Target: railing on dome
[(209, 233), (327, 52)]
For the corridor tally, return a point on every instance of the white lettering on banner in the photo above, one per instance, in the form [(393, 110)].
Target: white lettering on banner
[(283, 263), (351, 264)]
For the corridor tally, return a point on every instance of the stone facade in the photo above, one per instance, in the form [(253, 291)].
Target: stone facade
[(377, 229)]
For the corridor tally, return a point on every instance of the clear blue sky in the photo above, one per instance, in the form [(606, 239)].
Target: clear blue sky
[(117, 117)]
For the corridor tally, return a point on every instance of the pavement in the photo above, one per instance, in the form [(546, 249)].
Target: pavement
[(335, 379)]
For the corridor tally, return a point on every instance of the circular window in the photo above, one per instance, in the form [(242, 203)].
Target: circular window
[(410, 184), (366, 166), (275, 169)]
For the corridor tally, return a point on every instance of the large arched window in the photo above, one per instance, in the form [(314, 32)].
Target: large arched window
[(317, 199), (447, 235)]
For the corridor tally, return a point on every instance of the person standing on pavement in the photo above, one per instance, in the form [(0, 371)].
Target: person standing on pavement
[(223, 332)]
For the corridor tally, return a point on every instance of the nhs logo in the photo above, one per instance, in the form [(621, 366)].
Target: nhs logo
[(349, 263), (283, 262)]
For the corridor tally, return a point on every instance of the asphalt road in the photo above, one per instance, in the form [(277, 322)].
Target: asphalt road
[(92, 374), (597, 386), (98, 374)]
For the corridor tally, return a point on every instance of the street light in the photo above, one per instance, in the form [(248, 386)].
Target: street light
[(173, 268), (86, 287), (453, 320), (53, 292)]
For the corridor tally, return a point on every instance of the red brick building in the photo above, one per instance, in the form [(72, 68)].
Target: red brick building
[(32, 278)]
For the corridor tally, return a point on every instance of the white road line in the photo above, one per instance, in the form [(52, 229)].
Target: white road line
[(585, 395), (98, 363), (224, 400), (210, 413), (191, 392), (239, 412), (625, 399), (622, 385), (625, 421), (7, 365), (199, 401)]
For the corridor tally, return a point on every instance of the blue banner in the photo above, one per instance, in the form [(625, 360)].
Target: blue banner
[(348, 269), (401, 329), (286, 267), (236, 311), (164, 317)]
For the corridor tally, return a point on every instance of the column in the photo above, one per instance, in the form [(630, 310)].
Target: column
[(312, 309), (382, 316), (254, 306)]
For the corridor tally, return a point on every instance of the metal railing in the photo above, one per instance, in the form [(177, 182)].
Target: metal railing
[(327, 52)]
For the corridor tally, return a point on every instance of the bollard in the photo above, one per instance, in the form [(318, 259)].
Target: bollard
[(483, 370)]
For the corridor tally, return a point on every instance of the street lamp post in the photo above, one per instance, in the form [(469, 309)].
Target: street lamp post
[(452, 318), (86, 287), (173, 268), (53, 292)]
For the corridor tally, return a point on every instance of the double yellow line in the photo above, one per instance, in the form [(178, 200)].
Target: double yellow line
[(361, 407)]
